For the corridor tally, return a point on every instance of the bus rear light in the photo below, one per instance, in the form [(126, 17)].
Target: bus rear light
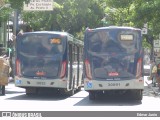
[(40, 73), (113, 74), (63, 69), (139, 68), (88, 69), (18, 68)]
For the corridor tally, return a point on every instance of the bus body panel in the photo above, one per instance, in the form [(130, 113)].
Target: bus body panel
[(114, 85), (51, 83), (76, 72), (52, 69)]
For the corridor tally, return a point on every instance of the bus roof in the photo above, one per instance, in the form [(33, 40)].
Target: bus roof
[(49, 32), (70, 36), (114, 27)]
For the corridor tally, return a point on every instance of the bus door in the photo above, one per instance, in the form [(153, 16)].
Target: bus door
[(70, 57), (78, 65)]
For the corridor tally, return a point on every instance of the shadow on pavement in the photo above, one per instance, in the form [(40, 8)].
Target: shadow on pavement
[(19, 94), (112, 100), (38, 97)]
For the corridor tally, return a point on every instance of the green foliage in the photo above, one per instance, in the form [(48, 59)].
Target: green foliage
[(17, 4), (74, 16), (119, 3), (135, 13), (4, 12), (120, 12)]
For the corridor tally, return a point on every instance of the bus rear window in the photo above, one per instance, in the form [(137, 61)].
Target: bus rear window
[(119, 41), (41, 44)]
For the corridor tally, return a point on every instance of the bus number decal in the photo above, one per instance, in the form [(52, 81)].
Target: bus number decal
[(113, 84), (41, 83)]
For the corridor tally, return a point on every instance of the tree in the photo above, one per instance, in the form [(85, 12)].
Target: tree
[(17, 4), (4, 12), (148, 11), (135, 13), (72, 16)]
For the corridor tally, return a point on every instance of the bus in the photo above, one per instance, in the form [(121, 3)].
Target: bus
[(113, 61), (48, 60)]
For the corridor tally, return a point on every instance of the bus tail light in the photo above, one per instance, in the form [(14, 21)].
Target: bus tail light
[(18, 68), (88, 69), (63, 69), (139, 68)]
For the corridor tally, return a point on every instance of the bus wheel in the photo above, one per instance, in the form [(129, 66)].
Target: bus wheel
[(31, 91), (138, 94), (2, 89), (62, 91), (70, 93), (79, 88), (92, 95)]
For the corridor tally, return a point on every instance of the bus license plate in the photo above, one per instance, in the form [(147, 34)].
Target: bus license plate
[(114, 84)]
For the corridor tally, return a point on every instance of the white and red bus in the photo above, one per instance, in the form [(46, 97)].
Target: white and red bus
[(113, 61), (48, 60)]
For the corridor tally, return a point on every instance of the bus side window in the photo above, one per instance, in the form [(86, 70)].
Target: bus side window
[(73, 52), (81, 54)]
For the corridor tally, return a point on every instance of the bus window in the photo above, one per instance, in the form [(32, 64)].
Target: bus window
[(102, 41), (41, 45)]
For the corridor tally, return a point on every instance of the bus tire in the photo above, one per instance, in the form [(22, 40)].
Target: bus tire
[(31, 91), (2, 89), (138, 94), (79, 88), (92, 95), (71, 92), (62, 91)]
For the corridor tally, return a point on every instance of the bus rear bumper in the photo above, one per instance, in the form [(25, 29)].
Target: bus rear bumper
[(113, 85), (49, 83)]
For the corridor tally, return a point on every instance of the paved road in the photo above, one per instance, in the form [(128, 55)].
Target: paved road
[(16, 99)]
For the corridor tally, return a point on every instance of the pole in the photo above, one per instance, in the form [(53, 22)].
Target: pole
[(152, 51), (15, 32), (15, 22)]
